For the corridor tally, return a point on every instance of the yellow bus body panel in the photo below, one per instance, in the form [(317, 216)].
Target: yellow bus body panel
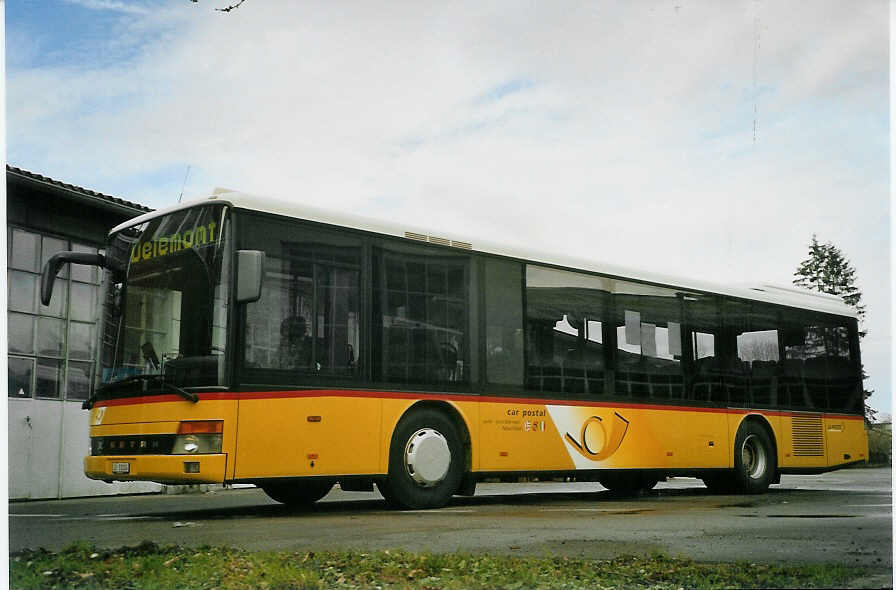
[(333, 433), (846, 439), (123, 419), (160, 468), (308, 436)]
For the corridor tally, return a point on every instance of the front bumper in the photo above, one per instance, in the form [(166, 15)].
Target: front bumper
[(169, 469)]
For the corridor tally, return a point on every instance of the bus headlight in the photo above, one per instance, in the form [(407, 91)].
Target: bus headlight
[(198, 437), (191, 444)]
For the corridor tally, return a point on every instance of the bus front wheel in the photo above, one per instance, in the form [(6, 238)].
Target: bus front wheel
[(296, 494), (425, 461)]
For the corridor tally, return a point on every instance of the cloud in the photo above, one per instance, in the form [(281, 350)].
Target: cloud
[(615, 132), (110, 5)]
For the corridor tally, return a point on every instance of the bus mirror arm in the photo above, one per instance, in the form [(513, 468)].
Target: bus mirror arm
[(51, 269)]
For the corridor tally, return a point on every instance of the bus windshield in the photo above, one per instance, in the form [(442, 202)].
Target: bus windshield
[(165, 311)]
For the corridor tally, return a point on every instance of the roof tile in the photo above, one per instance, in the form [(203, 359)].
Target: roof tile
[(77, 189)]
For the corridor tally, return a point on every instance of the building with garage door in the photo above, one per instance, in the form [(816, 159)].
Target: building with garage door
[(52, 349)]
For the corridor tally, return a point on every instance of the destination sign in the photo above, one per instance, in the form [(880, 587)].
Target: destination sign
[(198, 236)]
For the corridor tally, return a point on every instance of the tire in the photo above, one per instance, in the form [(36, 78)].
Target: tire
[(629, 484), (425, 461), (298, 493), (755, 462)]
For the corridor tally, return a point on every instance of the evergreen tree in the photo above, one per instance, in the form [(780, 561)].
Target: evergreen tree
[(829, 271)]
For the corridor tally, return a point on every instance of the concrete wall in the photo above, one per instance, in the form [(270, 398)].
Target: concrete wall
[(48, 440)]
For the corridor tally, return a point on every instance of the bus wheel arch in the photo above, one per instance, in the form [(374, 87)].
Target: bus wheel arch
[(764, 423), (297, 493), (755, 455), (437, 432), (451, 412)]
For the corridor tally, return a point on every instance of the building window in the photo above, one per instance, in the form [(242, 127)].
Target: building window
[(52, 348)]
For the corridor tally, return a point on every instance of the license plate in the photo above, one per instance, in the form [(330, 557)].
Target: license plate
[(121, 468)]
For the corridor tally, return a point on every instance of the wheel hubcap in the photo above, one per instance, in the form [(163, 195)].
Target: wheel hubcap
[(427, 457), (753, 457)]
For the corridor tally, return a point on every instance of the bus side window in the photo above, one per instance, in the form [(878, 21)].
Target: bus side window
[(307, 321), (702, 321), (504, 322), (818, 354), (421, 308), (752, 367), (648, 342), (565, 315)]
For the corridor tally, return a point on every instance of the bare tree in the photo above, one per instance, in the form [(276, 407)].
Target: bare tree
[(226, 8)]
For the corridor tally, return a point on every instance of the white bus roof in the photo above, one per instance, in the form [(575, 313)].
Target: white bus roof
[(782, 295)]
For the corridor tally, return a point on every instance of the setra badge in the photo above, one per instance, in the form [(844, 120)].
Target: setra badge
[(96, 416)]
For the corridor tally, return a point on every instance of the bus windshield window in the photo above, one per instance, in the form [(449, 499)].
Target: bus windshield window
[(166, 310)]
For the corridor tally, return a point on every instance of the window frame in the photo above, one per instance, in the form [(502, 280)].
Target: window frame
[(39, 313), (478, 322), (471, 382), (245, 224)]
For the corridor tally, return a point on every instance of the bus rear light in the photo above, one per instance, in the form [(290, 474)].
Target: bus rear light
[(201, 427)]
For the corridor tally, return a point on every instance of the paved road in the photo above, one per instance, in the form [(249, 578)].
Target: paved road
[(843, 517)]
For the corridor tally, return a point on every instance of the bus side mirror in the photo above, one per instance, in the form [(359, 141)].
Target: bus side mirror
[(249, 275), (51, 269)]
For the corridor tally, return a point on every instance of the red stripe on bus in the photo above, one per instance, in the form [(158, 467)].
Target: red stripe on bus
[(304, 393)]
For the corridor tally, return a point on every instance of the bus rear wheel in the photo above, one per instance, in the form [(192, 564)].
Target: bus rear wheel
[(628, 484), (297, 494), (755, 462), (425, 461)]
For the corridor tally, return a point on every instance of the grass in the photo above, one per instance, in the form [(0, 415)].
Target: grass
[(150, 566)]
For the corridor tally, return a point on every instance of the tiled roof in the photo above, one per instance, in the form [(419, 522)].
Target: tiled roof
[(76, 189)]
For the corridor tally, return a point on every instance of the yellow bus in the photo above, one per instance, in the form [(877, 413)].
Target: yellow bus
[(246, 340)]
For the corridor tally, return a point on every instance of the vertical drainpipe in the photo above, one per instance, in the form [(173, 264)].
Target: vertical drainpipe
[(63, 389)]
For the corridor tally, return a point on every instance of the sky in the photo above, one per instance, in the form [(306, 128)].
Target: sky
[(708, 140)]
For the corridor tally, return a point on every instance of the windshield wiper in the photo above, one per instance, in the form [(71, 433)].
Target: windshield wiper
[(188, 395)]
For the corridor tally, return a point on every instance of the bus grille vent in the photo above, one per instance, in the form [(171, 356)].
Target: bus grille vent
[(464, 245), (808, 436), (439, 241), (413, 236)]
